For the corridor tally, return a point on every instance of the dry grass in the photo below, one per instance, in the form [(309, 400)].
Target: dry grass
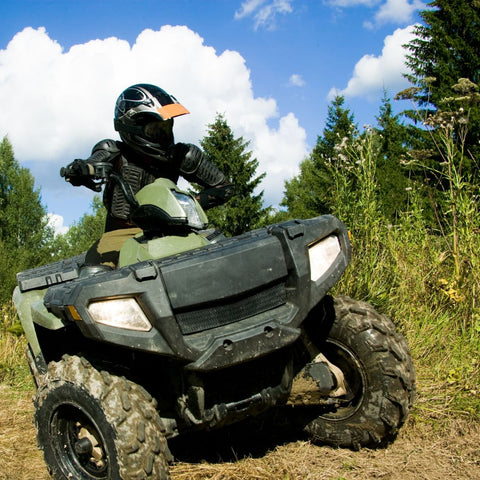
[(434, 447), (423, 451), (19, 456)]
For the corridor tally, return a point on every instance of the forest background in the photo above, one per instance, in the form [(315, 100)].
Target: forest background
[(407, 188)]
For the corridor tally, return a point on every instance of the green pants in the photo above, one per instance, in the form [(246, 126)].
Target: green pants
[(106, 250)]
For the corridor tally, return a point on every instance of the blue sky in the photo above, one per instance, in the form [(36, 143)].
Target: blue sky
[(270, 66)]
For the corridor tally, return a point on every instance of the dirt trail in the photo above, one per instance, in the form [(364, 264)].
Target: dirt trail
[(423, 451)]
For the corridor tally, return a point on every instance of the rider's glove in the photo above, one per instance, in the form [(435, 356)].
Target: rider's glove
[(78, 168), (80, 173), (212, 197)]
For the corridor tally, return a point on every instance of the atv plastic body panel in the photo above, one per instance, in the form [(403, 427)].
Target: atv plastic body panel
[(211, 308)]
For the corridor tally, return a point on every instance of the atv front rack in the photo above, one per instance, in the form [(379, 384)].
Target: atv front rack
[(50, 274)]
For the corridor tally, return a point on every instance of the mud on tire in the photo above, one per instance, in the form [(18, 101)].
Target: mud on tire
[(93, 425), (379, 372)]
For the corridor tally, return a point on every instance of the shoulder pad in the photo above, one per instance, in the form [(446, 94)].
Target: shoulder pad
[(107, 145)]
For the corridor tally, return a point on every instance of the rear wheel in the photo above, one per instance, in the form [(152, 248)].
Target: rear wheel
[(96, 426), (377, 379)]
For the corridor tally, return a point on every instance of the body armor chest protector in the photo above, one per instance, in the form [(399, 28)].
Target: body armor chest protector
[(114, 198)]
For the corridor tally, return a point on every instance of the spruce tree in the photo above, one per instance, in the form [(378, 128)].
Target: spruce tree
[(310, 193), (339, 128), (303, 194), (392, 176), (244, 210), (446, 49)]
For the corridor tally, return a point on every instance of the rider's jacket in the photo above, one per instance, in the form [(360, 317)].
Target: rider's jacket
[(138, 170)]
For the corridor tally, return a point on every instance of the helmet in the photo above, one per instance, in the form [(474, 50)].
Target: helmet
[(144, 118)]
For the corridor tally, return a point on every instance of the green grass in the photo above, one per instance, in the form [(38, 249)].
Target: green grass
[(426, 279), (14, 370)]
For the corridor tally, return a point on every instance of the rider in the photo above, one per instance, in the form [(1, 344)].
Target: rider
[(144, 116)]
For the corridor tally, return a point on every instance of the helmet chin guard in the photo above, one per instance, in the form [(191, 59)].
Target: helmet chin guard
[(140, 105)]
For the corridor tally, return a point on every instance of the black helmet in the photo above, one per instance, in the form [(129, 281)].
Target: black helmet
[(144, 118)]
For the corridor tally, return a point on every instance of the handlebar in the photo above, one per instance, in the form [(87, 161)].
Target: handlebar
[(80, 172), (90, 174), (96, 171)]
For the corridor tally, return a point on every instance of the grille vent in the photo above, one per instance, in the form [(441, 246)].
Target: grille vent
[(210, 317)]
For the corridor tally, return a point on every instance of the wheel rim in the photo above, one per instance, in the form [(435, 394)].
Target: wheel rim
[(355, 379), (79, 444)]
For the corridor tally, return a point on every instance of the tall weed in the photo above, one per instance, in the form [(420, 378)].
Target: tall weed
[(356, 203), (14, 370), (426, 281)]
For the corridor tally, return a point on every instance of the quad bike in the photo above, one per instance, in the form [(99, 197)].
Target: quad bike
[(194, 331)]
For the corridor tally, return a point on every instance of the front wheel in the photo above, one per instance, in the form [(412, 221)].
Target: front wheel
[(378, 375), (96, 426)]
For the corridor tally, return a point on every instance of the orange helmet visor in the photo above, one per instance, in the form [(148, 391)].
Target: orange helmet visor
[(172, 110)]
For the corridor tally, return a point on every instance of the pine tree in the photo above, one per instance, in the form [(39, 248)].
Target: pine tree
[(310, 193), (446, 49), (392, 177), (339, 128), (244, 210), (303, 195)]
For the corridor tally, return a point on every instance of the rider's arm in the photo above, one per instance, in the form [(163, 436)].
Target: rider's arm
[(194, 167), (104, 151), (97, 166)]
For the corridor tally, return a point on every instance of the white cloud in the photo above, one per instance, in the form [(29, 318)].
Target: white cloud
[(57, 104), (352, 3), (247, 8), (274, 147), (296, 80), (397, 11), (56, 222), (372, 74), (264, 12)]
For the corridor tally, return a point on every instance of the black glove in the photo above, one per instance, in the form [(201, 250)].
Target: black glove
[(212, 197), (78, 168), (80, 173)]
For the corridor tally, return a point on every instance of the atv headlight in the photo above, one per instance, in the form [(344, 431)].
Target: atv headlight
[(120, 313), (322, 255), (190, 209)]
